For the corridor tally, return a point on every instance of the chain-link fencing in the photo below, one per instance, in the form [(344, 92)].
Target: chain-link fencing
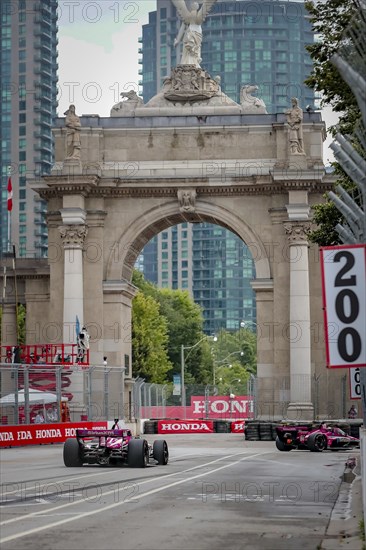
[(40, 393)]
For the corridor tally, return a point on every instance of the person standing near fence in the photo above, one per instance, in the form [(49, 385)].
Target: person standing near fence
[(352, 413)]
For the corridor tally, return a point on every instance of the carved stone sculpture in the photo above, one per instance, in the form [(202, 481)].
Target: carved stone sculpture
[(249, 103), (132, 101), (187, 200), (294, 120), (189, 83), (297, 231), (73, 129), (190, 32), (73, 236)]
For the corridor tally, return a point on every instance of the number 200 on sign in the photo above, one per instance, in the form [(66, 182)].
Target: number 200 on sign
[(344, 300)]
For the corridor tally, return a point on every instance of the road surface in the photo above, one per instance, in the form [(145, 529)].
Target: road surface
[(218, 491)]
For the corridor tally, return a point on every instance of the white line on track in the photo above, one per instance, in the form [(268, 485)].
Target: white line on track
[(66, 480), (114, 505), (125, 487)]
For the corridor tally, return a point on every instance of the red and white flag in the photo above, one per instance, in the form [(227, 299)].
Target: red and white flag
[(10, 195)]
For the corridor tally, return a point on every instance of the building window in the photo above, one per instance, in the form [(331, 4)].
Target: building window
[(22, 118), (22, 156)]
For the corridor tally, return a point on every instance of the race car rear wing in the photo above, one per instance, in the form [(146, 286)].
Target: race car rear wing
[(102, 433)]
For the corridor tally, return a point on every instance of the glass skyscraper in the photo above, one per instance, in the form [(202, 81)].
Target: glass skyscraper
[(244, 42), (28, 73)]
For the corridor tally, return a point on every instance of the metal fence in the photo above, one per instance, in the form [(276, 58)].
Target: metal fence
[(53, 393), (266, 398), (77, 392), (202, 401)]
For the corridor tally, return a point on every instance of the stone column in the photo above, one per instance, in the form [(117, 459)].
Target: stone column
[(300, 406), (8, 338), (73, 237)]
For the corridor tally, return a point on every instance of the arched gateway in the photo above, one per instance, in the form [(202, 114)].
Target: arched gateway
[(154, 168), (147, 168)]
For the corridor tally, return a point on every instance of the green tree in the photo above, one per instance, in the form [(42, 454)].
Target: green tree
[(21, 317), (329, 20), (149, 340), (184, 321)]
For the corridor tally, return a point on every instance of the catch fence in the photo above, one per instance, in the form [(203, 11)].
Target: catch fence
[(44, 393)]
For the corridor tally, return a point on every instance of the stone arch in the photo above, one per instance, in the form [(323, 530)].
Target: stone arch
[(125, 252)]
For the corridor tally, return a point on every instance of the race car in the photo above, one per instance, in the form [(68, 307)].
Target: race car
[(315, 439), (116, 446)]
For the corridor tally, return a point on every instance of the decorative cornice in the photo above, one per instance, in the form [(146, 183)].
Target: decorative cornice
[(232, 187)]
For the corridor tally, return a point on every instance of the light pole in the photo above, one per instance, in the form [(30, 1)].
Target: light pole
[(220, 365), (230, 386), (223, 363), (182, 365), (244, 324)]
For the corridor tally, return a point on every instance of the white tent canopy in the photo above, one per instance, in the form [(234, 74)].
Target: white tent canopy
[(35, 396)]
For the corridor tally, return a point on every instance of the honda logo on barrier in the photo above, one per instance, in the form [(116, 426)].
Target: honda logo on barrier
[(185, 426), (222, 406)]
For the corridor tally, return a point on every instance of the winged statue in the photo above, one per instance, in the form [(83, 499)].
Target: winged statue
[(190, 32)]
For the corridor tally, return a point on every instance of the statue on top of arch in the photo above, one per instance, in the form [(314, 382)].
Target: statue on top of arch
[(190, 32)]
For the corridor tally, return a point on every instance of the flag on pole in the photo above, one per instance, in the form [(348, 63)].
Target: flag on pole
[(10, 195), (77, 326)]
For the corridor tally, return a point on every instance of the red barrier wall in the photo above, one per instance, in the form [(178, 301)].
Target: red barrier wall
[(220, 407), (39, 434)]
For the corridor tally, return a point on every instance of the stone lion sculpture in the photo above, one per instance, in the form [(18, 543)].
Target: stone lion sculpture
[(249, 103), (128, 106)]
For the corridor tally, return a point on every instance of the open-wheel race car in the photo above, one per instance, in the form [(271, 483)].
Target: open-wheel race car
[(315, 439), (116, 446)]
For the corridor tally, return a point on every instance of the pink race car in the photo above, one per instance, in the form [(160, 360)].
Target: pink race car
[(103, 446), (315, 439)]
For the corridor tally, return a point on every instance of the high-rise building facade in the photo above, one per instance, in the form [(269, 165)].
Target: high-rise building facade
[(28, 73), (244, 42)]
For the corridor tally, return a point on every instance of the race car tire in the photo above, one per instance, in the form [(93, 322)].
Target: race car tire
[(160, 452), (138, 453), (72, 453), (316, 443), (281, 446)]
